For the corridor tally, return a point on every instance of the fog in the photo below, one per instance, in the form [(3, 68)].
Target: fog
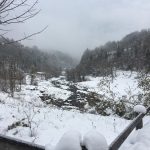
[(74, 25)]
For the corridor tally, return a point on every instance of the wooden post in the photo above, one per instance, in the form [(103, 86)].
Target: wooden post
[(140, 109), (140, 124), (84, 148)]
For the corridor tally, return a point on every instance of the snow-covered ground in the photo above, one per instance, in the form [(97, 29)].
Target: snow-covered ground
[(125, 83), (28, 118), (49, 124)]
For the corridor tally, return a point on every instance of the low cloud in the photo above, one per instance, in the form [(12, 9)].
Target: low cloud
[(74, 25)]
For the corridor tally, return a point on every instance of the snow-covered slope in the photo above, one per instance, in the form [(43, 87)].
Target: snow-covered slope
[(48, 124), (30, 116), (124, 83)]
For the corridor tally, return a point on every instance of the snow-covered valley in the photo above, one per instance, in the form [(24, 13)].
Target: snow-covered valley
[(43, 113)]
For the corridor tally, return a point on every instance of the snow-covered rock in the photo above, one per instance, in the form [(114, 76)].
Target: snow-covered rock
[(140, 109), (93, 140), (70, 141)]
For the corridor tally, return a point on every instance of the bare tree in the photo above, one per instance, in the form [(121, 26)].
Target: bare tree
[(12, 76), (14, 12)]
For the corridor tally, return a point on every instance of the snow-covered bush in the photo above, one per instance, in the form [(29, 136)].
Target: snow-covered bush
[(16, 124), (103, 106), (144, 84), (120, 108), (30, 112)]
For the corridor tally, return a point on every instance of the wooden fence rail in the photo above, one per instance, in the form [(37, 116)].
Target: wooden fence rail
[(136, 123), (8, 143)]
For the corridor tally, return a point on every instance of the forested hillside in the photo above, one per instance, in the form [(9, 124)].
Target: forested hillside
[(16, 60), (26, 58), (131, 53)]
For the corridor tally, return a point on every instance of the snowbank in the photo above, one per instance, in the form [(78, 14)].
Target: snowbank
[(70, 140), (95, 141), (140, 109)]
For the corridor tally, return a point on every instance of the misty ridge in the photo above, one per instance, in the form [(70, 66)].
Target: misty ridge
[(26, 57), (131, 53), (72, 32)]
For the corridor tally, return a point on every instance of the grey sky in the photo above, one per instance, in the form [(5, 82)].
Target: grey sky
[(74, 25)]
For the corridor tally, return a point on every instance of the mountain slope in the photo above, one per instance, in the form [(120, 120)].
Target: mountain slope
[(131, 53), (26, 58)]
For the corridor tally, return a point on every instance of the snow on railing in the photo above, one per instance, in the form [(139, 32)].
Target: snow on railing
[(137, 123), (9, 143), (72, 140)]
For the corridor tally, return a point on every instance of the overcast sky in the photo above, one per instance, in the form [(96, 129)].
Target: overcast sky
[(74, 25)]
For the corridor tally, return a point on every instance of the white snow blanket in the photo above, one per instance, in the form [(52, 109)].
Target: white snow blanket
[(140, 109), (95, 141), (70, 141)]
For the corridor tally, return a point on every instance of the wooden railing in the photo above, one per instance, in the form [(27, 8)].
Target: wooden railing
[(136, 123), (8, 143)]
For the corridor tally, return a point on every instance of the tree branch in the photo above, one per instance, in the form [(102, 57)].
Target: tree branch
[(22, 39)]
